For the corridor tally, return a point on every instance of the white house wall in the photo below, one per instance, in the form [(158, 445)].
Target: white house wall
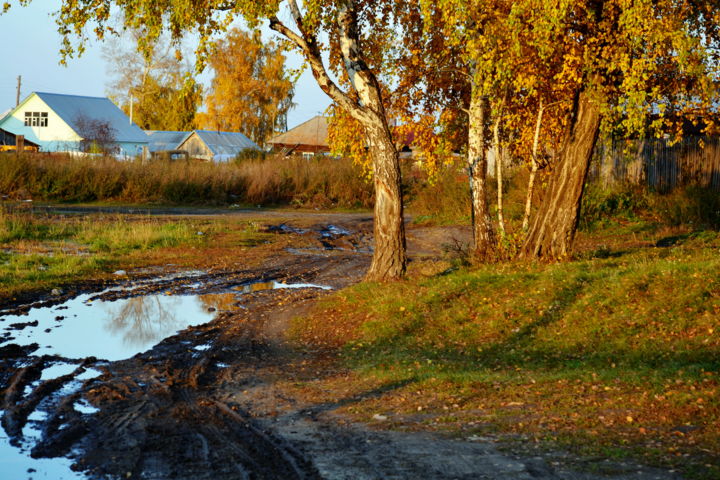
[(56, 137)]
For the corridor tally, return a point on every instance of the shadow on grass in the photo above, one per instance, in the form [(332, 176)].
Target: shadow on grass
[(520, 351), (357, 398)]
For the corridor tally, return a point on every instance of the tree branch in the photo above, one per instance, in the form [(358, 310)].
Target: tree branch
[(359, 74), (307, 43)]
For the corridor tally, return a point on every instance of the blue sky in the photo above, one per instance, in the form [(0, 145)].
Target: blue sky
[(31, 45)]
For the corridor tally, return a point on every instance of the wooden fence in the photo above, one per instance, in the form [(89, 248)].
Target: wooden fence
[(657, 163)]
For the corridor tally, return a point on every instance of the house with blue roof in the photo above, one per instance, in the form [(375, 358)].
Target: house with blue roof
[(204, 144), (60, 123)]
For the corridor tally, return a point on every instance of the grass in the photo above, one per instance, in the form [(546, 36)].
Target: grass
[(41, 252), (616, 351), (315, 183)]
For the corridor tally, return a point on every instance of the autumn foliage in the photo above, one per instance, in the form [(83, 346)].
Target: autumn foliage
[(251, 91)]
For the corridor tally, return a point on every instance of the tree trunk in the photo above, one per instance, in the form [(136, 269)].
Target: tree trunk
[(533, 169), (483, 247), (389, 257), (553, 231), (499, 176)]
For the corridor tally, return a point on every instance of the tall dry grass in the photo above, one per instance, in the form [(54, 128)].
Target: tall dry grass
[(321, 182)]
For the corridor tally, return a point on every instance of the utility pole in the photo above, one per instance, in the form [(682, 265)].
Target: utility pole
[(17, 96)]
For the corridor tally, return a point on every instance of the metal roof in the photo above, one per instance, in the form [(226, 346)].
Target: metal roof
[(73, 107), (165, 140), (226, 143), (311, 132)]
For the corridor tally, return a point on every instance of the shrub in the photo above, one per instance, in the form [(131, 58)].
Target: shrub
[(599, 204)]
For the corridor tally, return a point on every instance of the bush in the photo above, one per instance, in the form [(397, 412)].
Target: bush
[(696, 206), (443, 199), (599, 204)]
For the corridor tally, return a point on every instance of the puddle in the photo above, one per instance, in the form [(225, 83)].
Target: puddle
[(285, 229), (14, 464), (91, 325), (87, 326), (332, 231), (109, 330), (260, 286)]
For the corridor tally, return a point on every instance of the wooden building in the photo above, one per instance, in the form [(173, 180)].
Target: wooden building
[(309, 138)]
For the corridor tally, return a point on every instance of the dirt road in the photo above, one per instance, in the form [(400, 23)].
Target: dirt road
[(210, 402)]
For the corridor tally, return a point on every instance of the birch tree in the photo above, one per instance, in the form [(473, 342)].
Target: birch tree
[(336, 27)]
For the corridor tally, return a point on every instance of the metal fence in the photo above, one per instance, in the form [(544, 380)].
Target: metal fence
[(658, 163)]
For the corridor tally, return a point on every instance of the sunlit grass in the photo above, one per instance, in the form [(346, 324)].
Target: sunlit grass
[(617, 351), (43, 252)]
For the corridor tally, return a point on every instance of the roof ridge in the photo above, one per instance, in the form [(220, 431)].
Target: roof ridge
[(70, 95)]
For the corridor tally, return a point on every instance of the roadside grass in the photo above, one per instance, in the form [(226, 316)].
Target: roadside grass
[(617, 351), (41, 252), (312, 183)]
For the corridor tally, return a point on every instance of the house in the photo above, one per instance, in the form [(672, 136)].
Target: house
[(216, 146), (311, 137), (73, 123), (308, 138), (9, 141)]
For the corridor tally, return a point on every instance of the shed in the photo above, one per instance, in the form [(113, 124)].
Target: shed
[(165, 140), (58, 123), (308, 138), (216, 146)]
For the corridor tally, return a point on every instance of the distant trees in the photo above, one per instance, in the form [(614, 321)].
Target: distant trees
[(251, 91), (156, 89)]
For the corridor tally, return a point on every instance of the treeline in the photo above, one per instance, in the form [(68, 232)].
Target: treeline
[(251, 90)]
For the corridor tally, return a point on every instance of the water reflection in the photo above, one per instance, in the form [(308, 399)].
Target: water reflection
[(221, 302), (144, 320), (114, 330)]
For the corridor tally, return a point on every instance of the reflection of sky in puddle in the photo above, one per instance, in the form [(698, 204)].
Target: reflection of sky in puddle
[(260, 286), (14, 464), (109, 330)]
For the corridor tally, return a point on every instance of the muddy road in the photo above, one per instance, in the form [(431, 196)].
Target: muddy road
[(208, 402)]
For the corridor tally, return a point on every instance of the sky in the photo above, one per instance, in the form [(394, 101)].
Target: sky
[(32, 46)]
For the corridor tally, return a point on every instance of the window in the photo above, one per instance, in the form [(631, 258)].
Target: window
[(36, 119)]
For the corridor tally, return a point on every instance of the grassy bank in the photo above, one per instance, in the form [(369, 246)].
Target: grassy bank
[(41, 252), (615, 354)]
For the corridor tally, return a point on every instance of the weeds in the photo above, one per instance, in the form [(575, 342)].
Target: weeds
[(316, 183), (44, 251)]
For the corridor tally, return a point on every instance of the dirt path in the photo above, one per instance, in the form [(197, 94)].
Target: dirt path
[(212, 401)]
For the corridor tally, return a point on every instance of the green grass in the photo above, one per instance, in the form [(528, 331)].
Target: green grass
[(43, 252), (615, 350)]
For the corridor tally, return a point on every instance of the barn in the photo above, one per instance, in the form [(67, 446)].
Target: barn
[(308, 138), (216, 146)]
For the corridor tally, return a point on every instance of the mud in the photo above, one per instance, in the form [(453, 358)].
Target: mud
[(205, 403)]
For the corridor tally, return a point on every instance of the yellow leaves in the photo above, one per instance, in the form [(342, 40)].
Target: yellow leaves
[(250, 92)]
